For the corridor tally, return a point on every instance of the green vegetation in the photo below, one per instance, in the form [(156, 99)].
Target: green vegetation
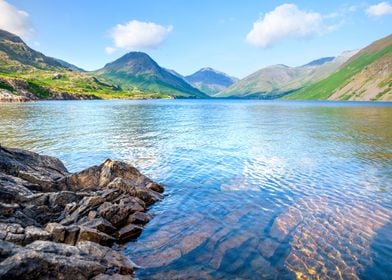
[(23, 69), (136, 75), (40, 91), (147, 82), (325, 88), (43, 83), (6, 86), (137, 70)]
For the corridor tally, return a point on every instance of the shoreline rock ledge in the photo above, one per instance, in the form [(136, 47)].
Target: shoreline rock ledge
[(60, 225)]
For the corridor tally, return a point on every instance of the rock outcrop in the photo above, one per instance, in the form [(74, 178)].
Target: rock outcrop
[(8, 96), (54, 224), (17, 90)]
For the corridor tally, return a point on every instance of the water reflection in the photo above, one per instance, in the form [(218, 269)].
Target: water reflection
[(254, 189)]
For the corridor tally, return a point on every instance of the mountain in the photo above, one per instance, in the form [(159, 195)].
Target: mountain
[(13, 48), (175, 73), (279, 80), (29, 74), (320, 61), (16, 49), (26, 74), (69, 65), (138, 71), (210, 81), (365, 76)]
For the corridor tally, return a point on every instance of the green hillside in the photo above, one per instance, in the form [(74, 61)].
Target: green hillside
[(28, 73), (377, 54), (278, 80), (138, 71)]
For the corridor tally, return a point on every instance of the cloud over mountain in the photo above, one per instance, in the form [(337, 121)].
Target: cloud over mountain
[(285, 21), (379, 10), (14, 20), (138, 35)]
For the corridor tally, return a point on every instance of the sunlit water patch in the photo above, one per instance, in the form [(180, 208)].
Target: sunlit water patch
[(274, 190)]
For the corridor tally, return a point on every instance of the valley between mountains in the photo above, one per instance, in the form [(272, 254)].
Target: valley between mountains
[(26, 74)]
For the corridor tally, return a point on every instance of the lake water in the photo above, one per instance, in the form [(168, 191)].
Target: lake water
[(254, 189)]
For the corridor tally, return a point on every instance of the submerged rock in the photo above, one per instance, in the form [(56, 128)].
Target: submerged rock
[(54, 224)]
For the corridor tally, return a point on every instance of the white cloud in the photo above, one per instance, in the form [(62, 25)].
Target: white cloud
[(14, 20), (110, 50), (379, 10), (138, 35), (285, 21)]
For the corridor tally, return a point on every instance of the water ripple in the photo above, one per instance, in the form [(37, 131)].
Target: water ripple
[(253, 189)]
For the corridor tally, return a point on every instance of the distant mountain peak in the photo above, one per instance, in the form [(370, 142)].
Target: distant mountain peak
[(139, 70), (362, 75), (133, 63), (320, 61), (277, 80), (212, 71), (208, 69), (140, 57), (210, 81), (135, 55)]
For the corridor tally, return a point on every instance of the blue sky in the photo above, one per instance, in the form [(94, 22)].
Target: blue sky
[(188, 35)]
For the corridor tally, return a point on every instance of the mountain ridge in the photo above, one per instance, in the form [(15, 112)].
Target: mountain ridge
[(210, 81), (139, 69), (353, 75), (275, 81), (31, 74), (365, 76), (16, 49)]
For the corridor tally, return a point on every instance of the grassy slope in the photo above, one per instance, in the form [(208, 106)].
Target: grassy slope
[(41, 82), (22, 68), (148, 82), (325, 88), (275, 81)]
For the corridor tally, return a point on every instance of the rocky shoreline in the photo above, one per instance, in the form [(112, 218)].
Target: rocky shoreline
[(17, 90), (8, 96), (56, 225)]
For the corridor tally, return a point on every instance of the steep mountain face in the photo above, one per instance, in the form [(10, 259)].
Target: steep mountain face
[(278, 80), (137, 70), (13, 48), (365, 76), (210, 81), (26, 74)]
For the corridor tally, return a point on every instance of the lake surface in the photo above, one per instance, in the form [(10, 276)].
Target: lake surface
[(254, 189)]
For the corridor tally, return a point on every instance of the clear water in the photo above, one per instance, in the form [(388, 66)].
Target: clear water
[(253, 189)]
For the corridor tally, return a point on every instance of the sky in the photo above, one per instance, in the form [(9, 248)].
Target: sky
[(233, 36)]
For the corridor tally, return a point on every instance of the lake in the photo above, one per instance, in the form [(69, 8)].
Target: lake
[(254, 189)]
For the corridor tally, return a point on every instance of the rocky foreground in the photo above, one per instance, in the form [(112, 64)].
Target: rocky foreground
[(58, 225)]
